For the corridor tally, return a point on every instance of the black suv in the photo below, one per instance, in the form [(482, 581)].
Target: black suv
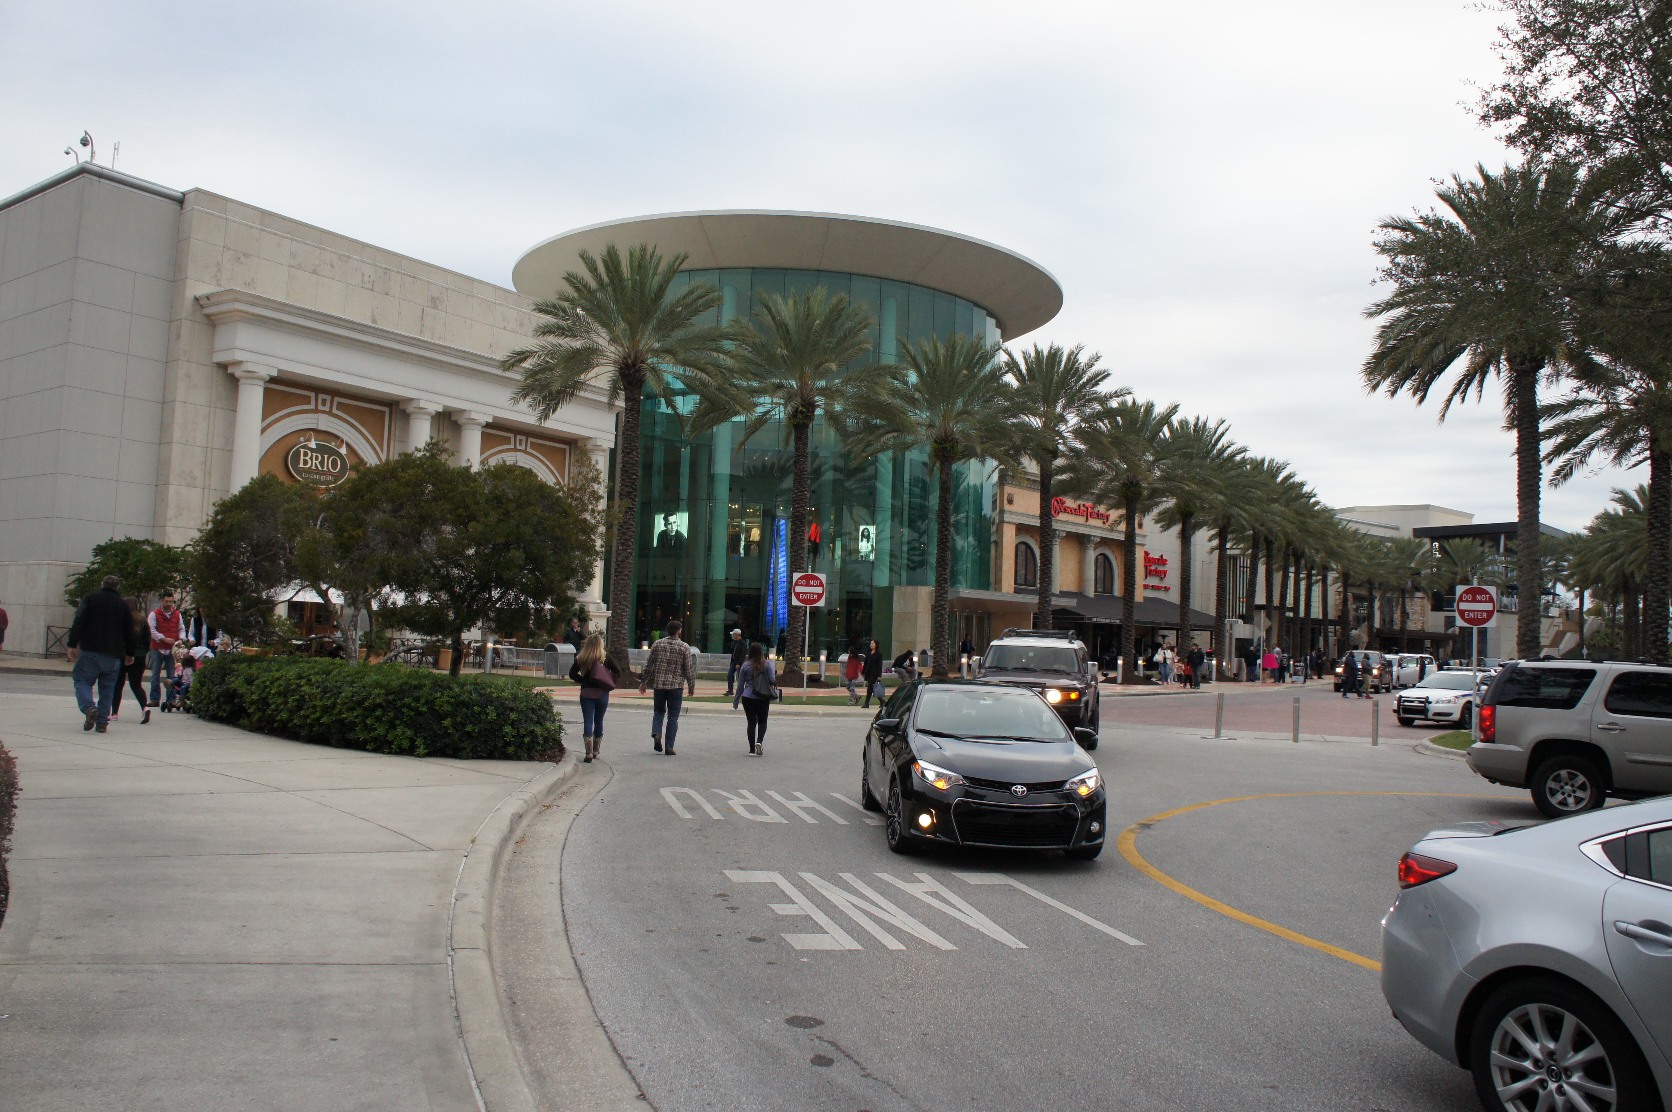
[(1054, 663)]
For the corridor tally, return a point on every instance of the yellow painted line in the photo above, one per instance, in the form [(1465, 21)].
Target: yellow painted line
[(1127, 843)]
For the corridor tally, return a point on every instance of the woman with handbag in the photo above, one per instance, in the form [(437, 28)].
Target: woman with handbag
[(757, 686), (597, 675)]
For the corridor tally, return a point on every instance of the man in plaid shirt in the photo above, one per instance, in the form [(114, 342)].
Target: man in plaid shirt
[(671, 669)]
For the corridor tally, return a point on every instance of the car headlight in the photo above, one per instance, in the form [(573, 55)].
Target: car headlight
[(1053, 695), (935, 777), (1085, 783)]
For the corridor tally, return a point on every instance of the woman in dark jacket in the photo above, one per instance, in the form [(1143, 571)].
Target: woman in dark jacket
[(873, 672), (134, 674), (597, 675)]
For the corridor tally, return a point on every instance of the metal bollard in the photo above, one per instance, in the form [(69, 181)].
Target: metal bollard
[(1375, 723), (1219, 715), (1296, 736)]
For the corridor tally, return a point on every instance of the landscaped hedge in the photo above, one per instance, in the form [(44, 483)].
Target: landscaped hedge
[(379, 708)]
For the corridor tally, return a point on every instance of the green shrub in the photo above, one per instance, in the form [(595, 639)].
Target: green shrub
[(406, 711)]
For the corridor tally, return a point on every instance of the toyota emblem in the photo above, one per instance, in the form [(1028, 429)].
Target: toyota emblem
[(1018, 790)]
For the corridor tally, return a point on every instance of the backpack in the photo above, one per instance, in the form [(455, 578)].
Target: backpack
[(760, 684)]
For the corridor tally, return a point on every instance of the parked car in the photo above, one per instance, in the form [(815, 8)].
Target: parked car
[(1409, 668), (1444, 697), (1057, 665), (967, 763), (1375, 671), (1540, 958), (1576, 732)]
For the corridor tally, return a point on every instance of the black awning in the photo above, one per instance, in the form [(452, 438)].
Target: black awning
[(1158, 612)]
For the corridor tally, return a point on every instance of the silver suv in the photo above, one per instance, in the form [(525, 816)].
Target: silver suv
[(1576, 732)]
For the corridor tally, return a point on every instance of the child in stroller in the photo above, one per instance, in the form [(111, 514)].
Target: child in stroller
[(180, 689)]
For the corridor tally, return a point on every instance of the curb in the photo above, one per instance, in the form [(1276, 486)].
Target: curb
[(490, 1055), (1433, 750)]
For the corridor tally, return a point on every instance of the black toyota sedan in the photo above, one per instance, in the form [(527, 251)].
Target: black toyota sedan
[(981, 764)]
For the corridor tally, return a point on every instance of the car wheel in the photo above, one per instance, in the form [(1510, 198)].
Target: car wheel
[(1464, 716), (866, 796), (894, 822), (1083, 853), (1568, 785), (1541, 1043), (1403, 721)]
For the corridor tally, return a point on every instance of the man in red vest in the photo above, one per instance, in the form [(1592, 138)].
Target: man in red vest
[(165, 626)]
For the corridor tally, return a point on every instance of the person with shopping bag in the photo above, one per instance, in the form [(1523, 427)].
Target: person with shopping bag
[(598, 676), (757, 686)]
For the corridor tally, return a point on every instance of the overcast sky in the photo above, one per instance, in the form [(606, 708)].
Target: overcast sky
[(1203, 179)]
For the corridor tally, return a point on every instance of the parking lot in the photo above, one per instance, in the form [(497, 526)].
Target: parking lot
[(749, 941)]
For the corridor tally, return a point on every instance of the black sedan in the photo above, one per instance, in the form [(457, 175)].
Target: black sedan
[(979, 764)]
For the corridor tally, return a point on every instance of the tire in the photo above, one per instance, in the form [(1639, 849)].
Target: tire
[(1403, 721), (1464, 719), (1510, 1019), (1568, 785), (866, 796), (1083, 853), (894, 824)]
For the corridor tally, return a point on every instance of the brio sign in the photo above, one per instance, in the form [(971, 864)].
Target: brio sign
[(321, 465)]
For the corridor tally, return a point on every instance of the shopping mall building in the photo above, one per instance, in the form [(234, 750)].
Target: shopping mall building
[(158, 349)]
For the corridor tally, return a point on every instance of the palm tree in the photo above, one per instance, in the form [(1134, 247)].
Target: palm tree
[(1608, 559), (1056, 390), (1123, 453), (1410, 560), (1195, 483), (952, 397), (1487, 288), (617, 324), (802, 354)]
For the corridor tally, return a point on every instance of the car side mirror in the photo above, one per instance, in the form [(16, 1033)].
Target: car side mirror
[(1091, 671), (1086, 736), (886, 725)]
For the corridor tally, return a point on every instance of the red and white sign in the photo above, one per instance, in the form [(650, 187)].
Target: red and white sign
[(1477, 607), (808, 589), (1085, 511)]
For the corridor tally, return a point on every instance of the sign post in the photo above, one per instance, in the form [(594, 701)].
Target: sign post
[(1477, 607), (807, 590)]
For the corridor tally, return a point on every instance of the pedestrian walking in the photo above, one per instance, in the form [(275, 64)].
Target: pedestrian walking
[(670, 670), (1197, 659), (873, 673), (739, 651), (598, 676), (102, 640), (1350, 676), (5, 620), (133, 672), (1164, 663), (757, 686), (853, 673), (199, 633), (164, 629)]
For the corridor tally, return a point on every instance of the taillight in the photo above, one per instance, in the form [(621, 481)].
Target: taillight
[(1415, 869), (1488, 724)]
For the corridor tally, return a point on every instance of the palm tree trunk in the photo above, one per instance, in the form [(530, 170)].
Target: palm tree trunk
[(625, 553), (1047, 544), (1529, 475), (1632, 633), (1268, 628), (1221, 590), (1404, 617), (1251, 591), (940, 625), (1280, 628), (796, 634), (1656, 590), (1187, 531), (457, 645), (1346, 639), (1323, 606), (1129, 595)]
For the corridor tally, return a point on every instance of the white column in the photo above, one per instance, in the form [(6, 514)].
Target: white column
[(593, 597), (470, 436), (418, 416), (246, 427), (1088, 564)]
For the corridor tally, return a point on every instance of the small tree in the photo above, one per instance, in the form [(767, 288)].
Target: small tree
[(146, 568), (247, 551)]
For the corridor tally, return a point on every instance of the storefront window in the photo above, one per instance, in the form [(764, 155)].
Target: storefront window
[(1103, 575), (1027, 565)]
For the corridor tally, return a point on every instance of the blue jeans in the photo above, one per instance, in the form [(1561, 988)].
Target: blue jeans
[(731, 675), (667, 703), (592, 714), (99, 668), (162, 662)]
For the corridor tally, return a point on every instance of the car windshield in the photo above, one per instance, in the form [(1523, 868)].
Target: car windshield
[(988, 712), (1449, 681), (1031, 658)]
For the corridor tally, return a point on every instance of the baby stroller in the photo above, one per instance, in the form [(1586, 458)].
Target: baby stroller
[(180, 688)]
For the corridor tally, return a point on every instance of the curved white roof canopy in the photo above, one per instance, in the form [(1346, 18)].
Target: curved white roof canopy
[(1020, 294)]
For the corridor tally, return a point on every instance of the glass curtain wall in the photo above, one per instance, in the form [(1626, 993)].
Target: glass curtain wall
[(714, 514)]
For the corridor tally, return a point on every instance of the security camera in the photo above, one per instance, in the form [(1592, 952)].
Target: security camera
[(86, 140)]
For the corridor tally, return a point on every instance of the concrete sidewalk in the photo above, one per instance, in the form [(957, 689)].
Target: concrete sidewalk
[(203, 918)]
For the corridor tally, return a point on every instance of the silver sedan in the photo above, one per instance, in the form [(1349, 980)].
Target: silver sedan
[(1540, 958)]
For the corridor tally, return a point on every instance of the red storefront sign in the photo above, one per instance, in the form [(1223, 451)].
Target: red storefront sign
[(1155, 568), (1085, 511)]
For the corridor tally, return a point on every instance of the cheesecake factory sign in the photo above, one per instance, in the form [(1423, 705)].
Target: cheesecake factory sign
[(320, 465)]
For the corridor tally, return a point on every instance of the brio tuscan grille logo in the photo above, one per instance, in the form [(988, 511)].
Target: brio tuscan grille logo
[(318, 464)]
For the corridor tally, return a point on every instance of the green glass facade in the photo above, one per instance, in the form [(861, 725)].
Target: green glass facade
[(714, 514)]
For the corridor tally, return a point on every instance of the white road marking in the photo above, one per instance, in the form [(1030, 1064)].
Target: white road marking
[(932, 893), (743, 801), (1000, 878), (865, 911), (869, 818), (801, 805), (668, 794), (834, 938)]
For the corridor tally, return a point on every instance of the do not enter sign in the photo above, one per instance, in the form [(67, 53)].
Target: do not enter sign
[(808, 589), (1477, 606)]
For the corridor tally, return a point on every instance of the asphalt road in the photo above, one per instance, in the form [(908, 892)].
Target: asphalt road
[(723, 911)]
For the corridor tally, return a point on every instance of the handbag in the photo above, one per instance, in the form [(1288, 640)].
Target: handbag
[(601, 677)]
